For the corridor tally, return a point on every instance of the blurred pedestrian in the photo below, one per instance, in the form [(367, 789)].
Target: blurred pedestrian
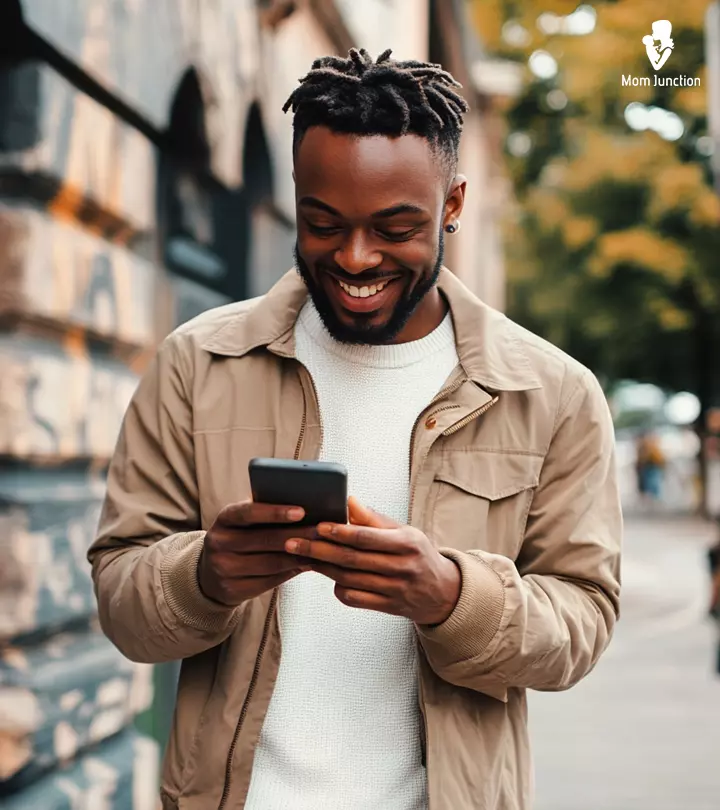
[(650, 467), (714, 560), (380, 663)]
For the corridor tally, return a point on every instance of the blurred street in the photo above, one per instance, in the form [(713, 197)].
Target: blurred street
[(643, 731)]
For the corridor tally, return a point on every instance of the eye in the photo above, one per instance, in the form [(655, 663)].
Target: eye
[(322, 230), (398, 236)]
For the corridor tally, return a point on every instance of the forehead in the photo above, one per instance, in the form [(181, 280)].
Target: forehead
[(363, 173)]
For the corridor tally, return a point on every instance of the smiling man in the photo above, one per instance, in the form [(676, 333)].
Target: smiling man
[(380, 664)]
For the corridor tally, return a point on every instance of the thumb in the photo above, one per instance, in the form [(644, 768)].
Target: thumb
[(365, 516)]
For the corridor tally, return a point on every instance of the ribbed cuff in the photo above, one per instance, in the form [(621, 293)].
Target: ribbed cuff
[(469, 629), (179, 577)]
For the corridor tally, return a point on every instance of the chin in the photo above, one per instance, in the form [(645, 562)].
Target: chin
[(373, 329)]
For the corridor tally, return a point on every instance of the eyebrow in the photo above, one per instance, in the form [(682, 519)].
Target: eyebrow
[(385, 213)]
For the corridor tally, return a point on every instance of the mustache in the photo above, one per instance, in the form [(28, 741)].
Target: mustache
[(361, 279)]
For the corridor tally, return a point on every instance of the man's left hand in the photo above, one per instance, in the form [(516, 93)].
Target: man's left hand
[(378, 564)]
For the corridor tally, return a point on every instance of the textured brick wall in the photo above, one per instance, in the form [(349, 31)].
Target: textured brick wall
[(79, 311)]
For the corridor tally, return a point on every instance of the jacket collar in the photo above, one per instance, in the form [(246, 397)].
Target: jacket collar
[(488, 346)]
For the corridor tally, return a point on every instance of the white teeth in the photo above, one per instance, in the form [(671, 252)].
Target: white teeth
[(363, 292)]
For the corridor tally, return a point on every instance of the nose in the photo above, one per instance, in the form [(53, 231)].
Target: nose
[(357, 254)]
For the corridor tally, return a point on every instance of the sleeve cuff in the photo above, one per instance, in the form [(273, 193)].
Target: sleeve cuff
[(469, 629), (178, 574)]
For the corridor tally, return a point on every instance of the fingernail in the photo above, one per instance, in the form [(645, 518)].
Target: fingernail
[(291, 546), (296, 513), (325, 528)]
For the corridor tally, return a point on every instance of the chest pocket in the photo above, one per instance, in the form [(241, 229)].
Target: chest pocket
[(480, 500)]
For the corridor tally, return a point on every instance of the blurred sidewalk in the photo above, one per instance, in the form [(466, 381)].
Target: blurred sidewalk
[(642, 732)]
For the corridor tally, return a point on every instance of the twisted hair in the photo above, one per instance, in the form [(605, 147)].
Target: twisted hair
[(357, 96)]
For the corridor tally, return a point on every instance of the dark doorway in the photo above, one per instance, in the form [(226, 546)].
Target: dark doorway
[(201, 222), (257, 164)]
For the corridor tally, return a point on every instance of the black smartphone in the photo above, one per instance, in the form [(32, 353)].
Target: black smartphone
[(320, 487)]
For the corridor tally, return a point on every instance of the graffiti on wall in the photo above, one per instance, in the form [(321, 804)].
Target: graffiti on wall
[(48, 519), (57, 407)]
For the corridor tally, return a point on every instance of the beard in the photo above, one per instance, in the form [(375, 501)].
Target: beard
[(362, 332)]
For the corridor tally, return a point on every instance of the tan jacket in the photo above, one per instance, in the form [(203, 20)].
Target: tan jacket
[(512, 476)]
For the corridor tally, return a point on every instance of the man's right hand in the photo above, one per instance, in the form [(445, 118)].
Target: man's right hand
[(243, 556)]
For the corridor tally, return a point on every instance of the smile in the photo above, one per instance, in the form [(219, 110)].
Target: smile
[(363, 292), (362, 299)]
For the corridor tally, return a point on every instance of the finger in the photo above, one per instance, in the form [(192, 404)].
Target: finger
[(250, 513), (365, 516), (345, 556), (367, 600), (268, 583), (260, 565), (388, 541), (359, 580), (252, 540)]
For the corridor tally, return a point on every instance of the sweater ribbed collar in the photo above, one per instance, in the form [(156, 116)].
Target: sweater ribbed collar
[(392, 355)]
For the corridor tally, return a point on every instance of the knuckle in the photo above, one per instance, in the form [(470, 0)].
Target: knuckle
[(345, 579), (303, 546), (362, 536), (213, 542), (216, 565), (347, 558), (411, 542), (244, 511), (278, 514), (227, 591)]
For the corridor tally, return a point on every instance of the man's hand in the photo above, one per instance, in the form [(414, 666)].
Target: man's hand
[(243, 556), (380, 565)]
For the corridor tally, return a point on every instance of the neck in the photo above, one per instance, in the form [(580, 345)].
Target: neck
[(426, 318)]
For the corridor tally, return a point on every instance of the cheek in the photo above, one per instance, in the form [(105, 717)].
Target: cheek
[(419, 252), (312, 248)]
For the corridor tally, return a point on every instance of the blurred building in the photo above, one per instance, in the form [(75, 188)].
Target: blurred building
[(145, 175)]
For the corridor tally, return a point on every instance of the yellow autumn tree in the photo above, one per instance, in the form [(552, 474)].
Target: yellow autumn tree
[(614, 240)]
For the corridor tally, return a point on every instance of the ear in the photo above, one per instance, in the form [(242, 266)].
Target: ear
[(455, 200)]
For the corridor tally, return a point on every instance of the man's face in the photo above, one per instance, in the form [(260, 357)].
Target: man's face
[(371, 212)]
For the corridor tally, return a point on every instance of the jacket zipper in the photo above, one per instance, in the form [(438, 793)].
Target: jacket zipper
[(467, 419), (263, 640), (440, 395), (246, 704), (464, 421)]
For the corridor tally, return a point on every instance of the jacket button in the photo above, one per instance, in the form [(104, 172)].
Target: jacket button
[(430, 422)]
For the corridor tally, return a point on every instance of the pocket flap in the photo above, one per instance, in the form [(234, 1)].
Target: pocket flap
[(490, 475)]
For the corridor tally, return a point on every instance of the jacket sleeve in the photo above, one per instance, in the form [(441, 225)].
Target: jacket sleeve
[(144, 560), (543, 622)]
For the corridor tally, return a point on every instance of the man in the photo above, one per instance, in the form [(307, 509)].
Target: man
[(380, 665)]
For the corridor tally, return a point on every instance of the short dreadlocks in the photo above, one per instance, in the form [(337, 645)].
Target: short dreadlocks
[(387, 97)]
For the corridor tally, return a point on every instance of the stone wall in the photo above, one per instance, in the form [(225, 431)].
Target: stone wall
[(88, 204)]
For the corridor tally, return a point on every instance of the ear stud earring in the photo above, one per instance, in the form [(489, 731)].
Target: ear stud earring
[(453, 227)]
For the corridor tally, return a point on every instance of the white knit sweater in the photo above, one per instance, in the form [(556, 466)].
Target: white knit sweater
[(343, 728)]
